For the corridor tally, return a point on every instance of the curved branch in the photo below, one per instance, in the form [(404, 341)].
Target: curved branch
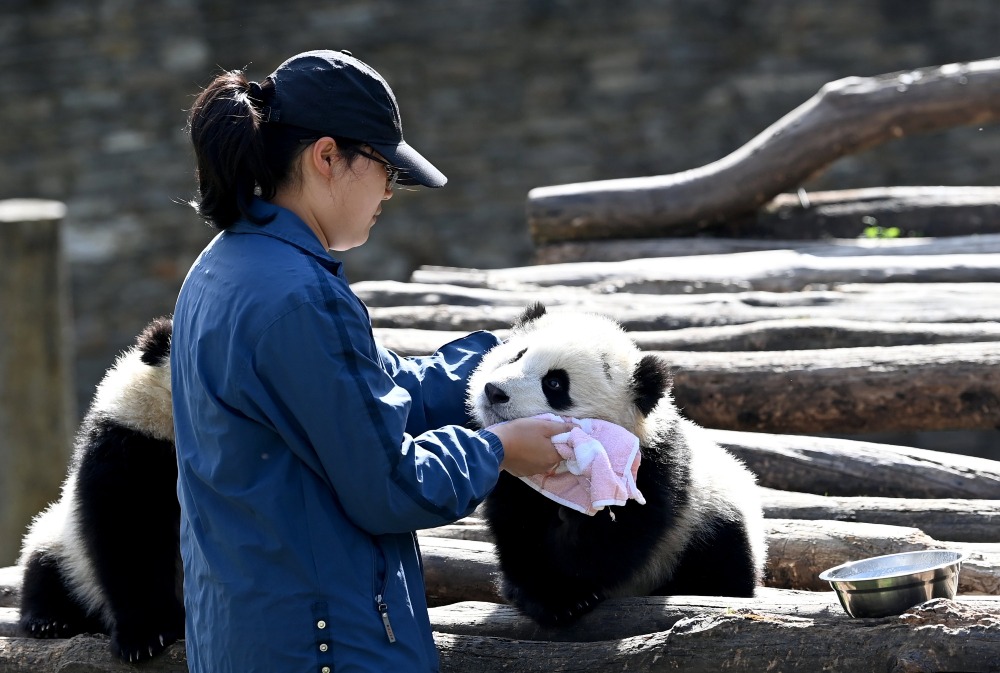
[(846, 116)]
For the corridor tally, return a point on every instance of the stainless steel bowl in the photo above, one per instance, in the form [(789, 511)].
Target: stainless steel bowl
[(890, 585)]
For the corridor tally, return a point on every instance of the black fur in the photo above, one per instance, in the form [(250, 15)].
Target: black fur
[(533, 312), (557, 564), (128, 514), (154, 342), (650, 381)]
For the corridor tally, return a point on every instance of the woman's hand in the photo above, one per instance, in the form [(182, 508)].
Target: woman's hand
[(527, 445)]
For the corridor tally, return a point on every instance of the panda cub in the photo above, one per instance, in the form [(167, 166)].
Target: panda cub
[(104, 557), (701, 529)]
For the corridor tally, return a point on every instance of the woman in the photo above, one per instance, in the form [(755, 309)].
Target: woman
[(307, 453)]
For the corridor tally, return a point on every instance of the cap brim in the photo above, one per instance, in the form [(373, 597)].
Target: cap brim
[(415, 169)]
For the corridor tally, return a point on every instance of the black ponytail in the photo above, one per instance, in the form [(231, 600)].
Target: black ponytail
[(227, 131), (239, 153)]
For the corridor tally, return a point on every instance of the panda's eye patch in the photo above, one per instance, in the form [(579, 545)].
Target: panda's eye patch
[(553, 382), (519, 355), (555, 387)]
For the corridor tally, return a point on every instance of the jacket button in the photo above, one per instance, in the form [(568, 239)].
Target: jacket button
[(325, 669), (323, 647), (321, 624)]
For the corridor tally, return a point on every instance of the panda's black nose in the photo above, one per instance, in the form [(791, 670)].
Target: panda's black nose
[(495, 395)]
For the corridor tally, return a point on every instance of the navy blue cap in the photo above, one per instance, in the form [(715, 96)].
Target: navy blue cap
[(335, 94)]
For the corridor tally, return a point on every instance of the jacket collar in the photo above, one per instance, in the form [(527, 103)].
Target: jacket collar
[(288, 227)]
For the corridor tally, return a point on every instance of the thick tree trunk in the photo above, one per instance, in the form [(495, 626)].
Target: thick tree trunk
[(620, 250), (846, 116)]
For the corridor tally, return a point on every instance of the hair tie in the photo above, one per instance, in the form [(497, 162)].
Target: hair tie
[(256, 93)]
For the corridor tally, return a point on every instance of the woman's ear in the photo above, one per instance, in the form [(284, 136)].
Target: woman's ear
[(322, 155)]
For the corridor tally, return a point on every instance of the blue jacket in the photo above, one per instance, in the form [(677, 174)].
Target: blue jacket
[(307, 457)]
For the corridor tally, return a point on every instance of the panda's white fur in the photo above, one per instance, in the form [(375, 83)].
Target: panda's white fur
[(86, 557), (697, 493)]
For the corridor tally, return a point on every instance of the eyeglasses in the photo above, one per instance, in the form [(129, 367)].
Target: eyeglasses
[(391, 172)]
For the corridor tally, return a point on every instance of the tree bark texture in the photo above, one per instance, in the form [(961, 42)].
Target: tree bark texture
[(951, 637), (692, 635), (843, 467), (846, 116), (842, 391), (80, 654), (951, 519), (625, 617)]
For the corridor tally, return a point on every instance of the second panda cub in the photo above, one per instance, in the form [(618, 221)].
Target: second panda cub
[(701, 529)]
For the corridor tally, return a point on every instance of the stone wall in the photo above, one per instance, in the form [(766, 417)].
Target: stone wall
[(503, 95)]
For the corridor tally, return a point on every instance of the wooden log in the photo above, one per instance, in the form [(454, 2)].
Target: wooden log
[(940, 635), (765, 270), (798, 551), (946, 519), (913, 211), (620, 250), (710, 310), (36, 404), (457, 570), (80, 654), (681, 627), (845, 116), (626, 617), (841, 467), (8, 623), (856, 390), (10, 586), (836, 391), (768, 335)]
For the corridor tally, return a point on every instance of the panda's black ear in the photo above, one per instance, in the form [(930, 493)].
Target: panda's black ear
[(533, 312), (650, 382), (154, 342)]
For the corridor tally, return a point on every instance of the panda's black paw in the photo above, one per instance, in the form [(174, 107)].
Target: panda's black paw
[(137, 644), (44, 627), (560, 610)]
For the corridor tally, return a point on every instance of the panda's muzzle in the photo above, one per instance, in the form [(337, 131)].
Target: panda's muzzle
[(495, 395)]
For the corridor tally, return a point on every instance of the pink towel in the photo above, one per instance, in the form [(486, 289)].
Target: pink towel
[(600, 463)]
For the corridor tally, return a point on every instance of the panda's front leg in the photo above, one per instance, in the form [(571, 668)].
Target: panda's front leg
[(547, 573), (130, 516), (48, 608), (553, 605)]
